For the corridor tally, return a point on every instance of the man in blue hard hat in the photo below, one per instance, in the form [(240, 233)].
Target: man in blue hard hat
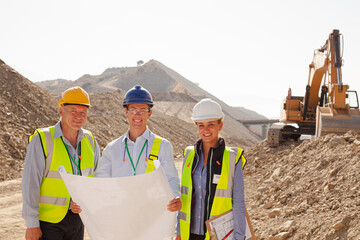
[(133, 153)]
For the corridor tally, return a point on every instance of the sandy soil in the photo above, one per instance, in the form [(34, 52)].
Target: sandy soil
[(12, 226)]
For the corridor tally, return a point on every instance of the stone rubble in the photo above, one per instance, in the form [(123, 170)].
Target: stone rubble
[(308, 189)]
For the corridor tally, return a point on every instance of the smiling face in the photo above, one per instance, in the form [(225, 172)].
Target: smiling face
[(137, 114), (209, 131), (73, 117)]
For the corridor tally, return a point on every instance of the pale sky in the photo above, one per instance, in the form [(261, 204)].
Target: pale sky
[(247, 53)]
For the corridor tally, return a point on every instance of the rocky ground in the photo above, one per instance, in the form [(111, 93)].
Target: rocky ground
[(300, 190), (305, 190), (24, 107), (12, 226)]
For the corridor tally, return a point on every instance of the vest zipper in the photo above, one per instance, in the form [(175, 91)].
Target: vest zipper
[(79, 154), (209, 187), (68, 152), (197, 162)]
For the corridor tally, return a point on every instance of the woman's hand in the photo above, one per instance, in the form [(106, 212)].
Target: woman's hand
[(174, 205), (74, 207)]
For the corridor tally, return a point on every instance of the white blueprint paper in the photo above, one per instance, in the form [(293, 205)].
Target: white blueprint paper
[(124, 208)]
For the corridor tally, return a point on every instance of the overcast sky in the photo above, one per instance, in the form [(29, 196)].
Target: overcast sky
[(246, 53)]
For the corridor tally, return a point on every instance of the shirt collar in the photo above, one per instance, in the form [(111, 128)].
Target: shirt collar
[(58, 132), (145, 135)]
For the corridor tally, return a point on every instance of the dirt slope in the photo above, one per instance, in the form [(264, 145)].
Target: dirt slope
[(23, 107), (167, 86), (299, 191), (305, 190)]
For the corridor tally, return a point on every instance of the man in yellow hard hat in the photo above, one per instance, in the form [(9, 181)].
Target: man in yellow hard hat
[(46, 200)]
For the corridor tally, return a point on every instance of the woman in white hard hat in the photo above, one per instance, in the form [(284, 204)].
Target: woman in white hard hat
[(212, 179)]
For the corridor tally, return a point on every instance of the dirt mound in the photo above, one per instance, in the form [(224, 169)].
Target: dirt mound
[(305, 190), (301, 190), (23, 107), (165, 84)]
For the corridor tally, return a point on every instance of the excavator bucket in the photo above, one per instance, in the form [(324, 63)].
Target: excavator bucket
[(337, 121)]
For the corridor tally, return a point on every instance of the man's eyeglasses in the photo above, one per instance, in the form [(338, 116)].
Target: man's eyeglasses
[(138, 111)]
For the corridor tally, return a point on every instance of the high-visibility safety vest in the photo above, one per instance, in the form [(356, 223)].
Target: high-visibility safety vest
[(154, 154), (222, 201), (54, 196)]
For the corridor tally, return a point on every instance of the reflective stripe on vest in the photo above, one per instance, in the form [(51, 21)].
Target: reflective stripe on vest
[(186, 193), (54, 197), (222, 201), (154, 154)]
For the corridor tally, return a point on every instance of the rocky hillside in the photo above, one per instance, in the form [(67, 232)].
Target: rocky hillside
[(170, 90), (24, 107), (154, 76), (305, 190), (301, 190)]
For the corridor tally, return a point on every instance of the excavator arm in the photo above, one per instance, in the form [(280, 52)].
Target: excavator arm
[(335, 116), (317, 70), (327, 59)]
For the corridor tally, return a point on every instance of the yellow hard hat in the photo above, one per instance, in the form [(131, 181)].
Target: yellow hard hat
[(75, 96)]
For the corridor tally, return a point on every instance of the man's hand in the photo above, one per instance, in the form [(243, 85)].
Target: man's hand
[(178, 237), (33, 233), (74, 207), (174, 205)]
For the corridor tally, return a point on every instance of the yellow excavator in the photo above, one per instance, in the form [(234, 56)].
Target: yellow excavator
[(336, 110)]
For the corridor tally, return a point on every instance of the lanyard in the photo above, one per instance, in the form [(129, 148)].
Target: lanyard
[(71, 158), (132, 163)]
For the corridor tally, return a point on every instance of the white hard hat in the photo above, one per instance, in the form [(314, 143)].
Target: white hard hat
[(207, 110)]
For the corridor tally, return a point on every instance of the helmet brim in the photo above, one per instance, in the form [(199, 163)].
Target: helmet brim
[(133, 101)]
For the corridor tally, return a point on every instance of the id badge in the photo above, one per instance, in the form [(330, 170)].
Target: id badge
[(216, 179)]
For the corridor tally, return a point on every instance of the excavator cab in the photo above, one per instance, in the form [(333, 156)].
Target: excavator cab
[(352, 99)]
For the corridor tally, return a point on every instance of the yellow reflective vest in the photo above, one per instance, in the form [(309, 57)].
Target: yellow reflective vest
[(154, 154), (222, 200), (54, 197)]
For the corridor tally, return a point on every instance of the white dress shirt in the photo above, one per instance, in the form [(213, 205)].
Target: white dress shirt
[(115, 161)]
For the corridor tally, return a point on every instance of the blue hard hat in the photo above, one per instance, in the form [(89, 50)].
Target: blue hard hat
[(138, 94)]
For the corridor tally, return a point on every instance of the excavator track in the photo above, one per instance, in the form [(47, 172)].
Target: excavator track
[(274, 136), (282, 133)]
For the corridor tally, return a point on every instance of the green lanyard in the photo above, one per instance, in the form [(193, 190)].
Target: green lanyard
[(132, 163), (71, 158)]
